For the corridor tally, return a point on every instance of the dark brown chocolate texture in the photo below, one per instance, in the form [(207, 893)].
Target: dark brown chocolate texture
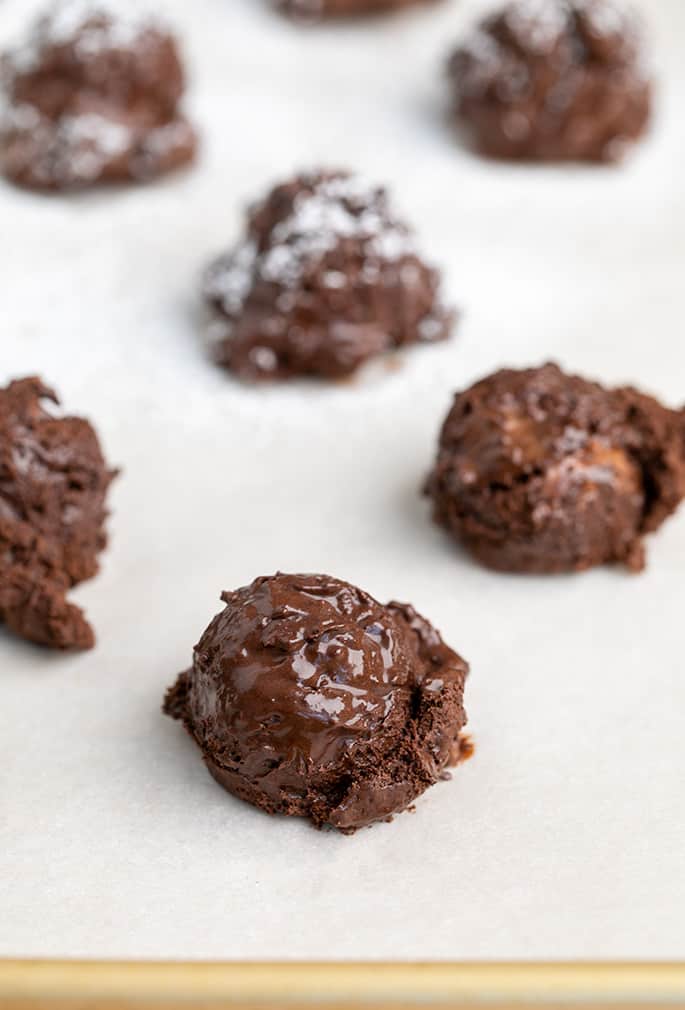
[(326, 277), (53, 484), (308, 697), (539, 471), (313, 10), (553, 80), (92, 96)]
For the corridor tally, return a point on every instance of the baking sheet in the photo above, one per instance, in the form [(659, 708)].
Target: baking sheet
[(564, 836)]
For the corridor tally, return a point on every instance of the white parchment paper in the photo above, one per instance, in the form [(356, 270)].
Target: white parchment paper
[(564, 837)]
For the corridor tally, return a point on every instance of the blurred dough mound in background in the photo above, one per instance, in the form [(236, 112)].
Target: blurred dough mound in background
[(326, 277), (553, 80), (314, 10), (91, 95)]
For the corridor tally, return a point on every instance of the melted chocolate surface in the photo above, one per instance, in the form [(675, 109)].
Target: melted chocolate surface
[(309, 697)]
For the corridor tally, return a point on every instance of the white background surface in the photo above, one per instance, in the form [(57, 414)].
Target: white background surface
[(564, 836)]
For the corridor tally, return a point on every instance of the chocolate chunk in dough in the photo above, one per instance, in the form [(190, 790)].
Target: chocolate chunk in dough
[(310, 698), (553, 80), (92, 96), (313, 10), (326, 277), (53, 484), (539, 471)]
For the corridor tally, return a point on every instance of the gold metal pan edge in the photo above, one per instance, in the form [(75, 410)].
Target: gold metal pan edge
[(86, 985)]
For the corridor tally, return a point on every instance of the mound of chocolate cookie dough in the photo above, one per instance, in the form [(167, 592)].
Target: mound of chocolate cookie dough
[(308, 697), (313, 10), (53, 484), (553, 80), (326, 277), (539, 471), (92, 96)]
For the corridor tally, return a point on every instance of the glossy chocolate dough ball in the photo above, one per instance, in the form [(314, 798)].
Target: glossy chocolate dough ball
[(308, 697)]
